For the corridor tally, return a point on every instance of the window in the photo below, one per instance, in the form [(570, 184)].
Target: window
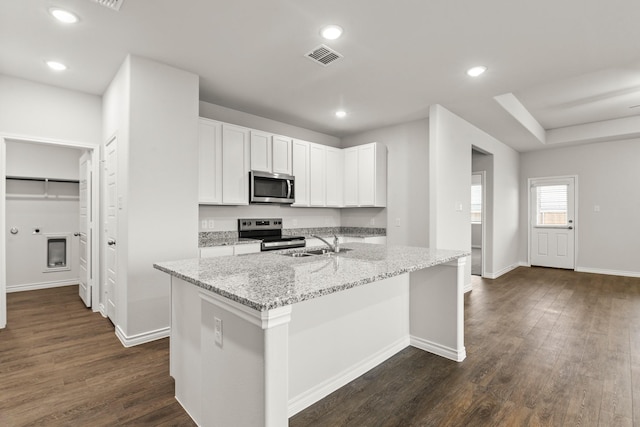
[(551, 205), (476, 203)]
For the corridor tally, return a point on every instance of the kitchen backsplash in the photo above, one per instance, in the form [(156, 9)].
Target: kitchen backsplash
[(215, 238)]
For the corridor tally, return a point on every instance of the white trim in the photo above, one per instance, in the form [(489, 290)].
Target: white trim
[(608, 272), (42, 285), (468, 287), (142, 338), (262, 319), (311, 396), (439, 349), (185, 410), (102, 310), (502, 272), (524, 264)]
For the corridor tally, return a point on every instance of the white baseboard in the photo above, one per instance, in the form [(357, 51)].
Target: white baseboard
[(439, 349), (608, 272), (467, 288), (42, 285), (145, 337), (524, 264), (102, 310), (501, 272), (185, 410), (311, 396)]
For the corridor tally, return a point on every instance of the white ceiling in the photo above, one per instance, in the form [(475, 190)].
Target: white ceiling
[(568, 62)]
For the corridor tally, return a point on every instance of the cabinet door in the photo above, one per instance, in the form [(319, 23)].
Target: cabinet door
[(260, 151), (366, 174), (317, 175), (351, 176), (209, 162), (249, 248), (334, 176), (235, 165), (281, 154), (300, 160), (216, 251)]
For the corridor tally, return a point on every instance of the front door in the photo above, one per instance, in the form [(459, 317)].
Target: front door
[(552, 227), (85, 233), (111, 230)]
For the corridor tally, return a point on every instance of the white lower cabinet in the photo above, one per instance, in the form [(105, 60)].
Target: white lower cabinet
[(216, 251)]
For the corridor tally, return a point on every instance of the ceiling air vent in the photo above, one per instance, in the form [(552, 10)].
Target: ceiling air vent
[(323, 55), (111, 4)]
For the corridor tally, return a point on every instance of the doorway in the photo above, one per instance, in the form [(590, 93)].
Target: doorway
[(92, 154), (552, 222), (477, 222)]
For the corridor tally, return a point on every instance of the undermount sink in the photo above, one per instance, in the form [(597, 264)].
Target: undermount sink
[(315, 252)]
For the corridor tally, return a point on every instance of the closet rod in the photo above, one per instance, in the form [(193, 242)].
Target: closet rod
[(28, 178)]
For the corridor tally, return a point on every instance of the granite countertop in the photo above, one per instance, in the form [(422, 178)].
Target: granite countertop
[(269, 280)]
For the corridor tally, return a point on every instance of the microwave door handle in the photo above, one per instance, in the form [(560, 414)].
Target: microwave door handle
[(288, 189)]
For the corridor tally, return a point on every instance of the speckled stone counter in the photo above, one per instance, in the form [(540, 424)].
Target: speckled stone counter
[(269, 280)]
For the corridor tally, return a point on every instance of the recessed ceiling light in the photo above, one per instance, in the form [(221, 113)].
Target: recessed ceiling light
[(341, 114), (64, 15), (331, 32), (476, 71), (57, 66)]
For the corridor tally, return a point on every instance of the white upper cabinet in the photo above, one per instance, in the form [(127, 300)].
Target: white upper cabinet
[(365, 171), (300, 167), (261, 156), (235, 165), (210, 162), (270, 153), (281, 154), (334, 177), (317, 175)]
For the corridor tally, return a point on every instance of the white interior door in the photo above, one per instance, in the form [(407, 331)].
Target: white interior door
[(552, 226), (85, 232), (111, 227)]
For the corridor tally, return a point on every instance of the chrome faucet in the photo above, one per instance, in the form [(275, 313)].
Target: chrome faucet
[(336, 243)]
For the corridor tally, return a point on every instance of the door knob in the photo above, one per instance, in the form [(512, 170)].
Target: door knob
[(111, 242), (570, 228), (76, 234)]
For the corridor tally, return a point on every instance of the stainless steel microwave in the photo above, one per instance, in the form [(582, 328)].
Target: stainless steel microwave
[(265, 187)]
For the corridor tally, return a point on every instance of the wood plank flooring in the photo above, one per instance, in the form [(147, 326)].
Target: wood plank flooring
[(544, 348), (62, 365)]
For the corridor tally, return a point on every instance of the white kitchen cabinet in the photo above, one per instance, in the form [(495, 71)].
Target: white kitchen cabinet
[(300, 168), (334, 177), (216, 251), (365, 171), (209, 162), (261, 153), (235, 165), (246, 248), (370, 239), (281, 154), (317, 175), (270, 153), (223, 163)]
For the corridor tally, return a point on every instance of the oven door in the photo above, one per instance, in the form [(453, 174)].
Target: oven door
[(271, 188)]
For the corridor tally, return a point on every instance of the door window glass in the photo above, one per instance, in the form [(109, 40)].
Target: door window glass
[(551, 205)]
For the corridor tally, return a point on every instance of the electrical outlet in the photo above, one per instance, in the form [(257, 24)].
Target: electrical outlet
[(294, 222), (397, 222), (203, 224), (372, 221), (596, 208), (218, 330), (210, 224)]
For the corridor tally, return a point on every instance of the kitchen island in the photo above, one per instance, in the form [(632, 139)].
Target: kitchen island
[(257, 338)]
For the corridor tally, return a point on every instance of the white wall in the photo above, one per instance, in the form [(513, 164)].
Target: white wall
[(407, 184), (157, 151), (608, 173), (39, 111), (27, 209), (451, 141)]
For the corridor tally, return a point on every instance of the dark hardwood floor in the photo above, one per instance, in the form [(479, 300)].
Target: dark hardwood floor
[(62, 365), (544, 347)]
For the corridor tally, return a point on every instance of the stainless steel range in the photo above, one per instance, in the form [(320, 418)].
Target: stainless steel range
[(269, 230)]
